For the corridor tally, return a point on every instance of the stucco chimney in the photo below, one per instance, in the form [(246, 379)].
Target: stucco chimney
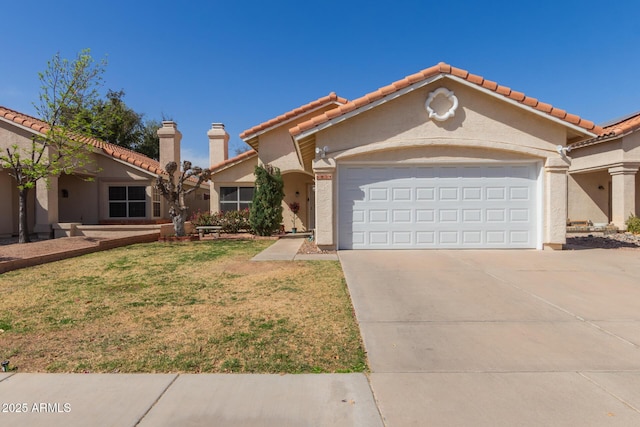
[(170, 138), (218, 144)]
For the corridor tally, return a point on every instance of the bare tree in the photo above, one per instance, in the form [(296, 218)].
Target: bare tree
[(174, 190)]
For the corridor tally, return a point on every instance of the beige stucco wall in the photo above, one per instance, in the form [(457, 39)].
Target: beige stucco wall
[(597, 157), (239, 175), (484, 129), (296, 188), (480, 121), (7, 207), (276, 146), (81, 203), (587, 202), (615, 162), (10, 135)]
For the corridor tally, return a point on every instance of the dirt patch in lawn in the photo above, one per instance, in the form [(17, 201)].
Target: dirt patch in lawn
[(179, 307)]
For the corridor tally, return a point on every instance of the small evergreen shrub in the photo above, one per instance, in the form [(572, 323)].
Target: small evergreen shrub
[(633, 224), (266, 207)]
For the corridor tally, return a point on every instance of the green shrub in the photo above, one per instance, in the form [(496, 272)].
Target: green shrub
[(266, 207), (633, 224)]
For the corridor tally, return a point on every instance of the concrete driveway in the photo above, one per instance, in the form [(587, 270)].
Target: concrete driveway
[(500, 338)]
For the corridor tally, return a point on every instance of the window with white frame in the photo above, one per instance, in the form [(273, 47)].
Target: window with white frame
[(156, 202), (127, 201), (235, 198)]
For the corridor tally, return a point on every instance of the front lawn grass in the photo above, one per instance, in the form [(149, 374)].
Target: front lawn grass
[(179, 307)]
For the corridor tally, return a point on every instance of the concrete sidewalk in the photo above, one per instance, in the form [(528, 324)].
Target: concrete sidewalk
[(68, 400), (287, 250)]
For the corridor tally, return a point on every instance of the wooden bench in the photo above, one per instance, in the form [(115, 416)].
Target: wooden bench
[(204, 229)]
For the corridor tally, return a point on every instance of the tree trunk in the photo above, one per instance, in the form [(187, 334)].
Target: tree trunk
[(178, 223), (23, 224)]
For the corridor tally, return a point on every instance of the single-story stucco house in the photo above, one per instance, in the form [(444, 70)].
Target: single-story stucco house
[(121, 189), (440, 159)]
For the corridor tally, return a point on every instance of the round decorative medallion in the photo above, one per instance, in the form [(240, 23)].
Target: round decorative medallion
[(450, 112)]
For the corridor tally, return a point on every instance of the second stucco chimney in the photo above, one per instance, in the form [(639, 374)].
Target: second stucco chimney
[(218, 144), (170, 138)]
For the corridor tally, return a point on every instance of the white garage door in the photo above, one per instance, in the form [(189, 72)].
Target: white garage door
[(439, 206)]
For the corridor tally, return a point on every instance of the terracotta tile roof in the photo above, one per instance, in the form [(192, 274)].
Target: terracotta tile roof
[(115, 151), (332, 98), (624, 125), (612, 130), (443, 68), (240, 157)]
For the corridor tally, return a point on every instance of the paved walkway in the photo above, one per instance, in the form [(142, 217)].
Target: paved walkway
[(287, 250)]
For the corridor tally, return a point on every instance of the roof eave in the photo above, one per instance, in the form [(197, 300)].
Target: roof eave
[(21, 126), (234, 163), (254, 136)]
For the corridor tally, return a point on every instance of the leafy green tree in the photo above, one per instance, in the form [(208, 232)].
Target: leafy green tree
[(266, 207), (174, 191), (149, 145), (111, 120), (65, 86)]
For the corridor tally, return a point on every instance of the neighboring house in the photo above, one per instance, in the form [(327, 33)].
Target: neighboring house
[(120, 191), (603, 177), (440, 159)]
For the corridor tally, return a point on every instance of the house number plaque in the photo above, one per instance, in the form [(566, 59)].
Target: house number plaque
[(325, 177)]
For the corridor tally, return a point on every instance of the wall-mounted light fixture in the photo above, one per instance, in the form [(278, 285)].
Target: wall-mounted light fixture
[(600, 187), (322, 151)]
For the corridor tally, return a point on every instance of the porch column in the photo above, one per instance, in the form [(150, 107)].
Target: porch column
[(46, 207), (555, 203), (623, 193), (324, 170)]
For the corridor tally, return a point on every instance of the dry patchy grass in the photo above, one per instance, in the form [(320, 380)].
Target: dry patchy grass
[(193, 307)]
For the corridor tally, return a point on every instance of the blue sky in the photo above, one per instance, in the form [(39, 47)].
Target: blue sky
[(244, 62)]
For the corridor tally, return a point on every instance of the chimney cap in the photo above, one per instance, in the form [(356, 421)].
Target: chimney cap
[(169, 124), (217, 125)]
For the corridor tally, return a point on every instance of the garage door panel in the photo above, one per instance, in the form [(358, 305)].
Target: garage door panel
[(458, 206), (425, 215), (471, 215), (448, 215), (377, 194), (519, 193), (379, 216), (472, 237), (448, 194), (402, 216), (472, 193), (425, 194), (401, 237), (519, 215), (496, 193)]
